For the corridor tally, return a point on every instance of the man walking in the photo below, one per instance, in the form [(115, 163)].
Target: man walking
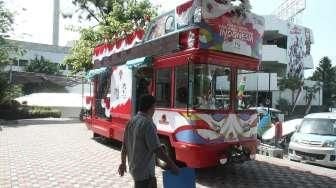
[(141, 144)]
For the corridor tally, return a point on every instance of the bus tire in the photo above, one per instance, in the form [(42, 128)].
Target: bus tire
[(96, 135)]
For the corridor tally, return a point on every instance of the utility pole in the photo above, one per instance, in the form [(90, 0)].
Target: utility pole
[(56, 13), (269, 91)]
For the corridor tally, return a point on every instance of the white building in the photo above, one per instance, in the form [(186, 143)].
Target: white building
[(285, 47), (53, 53)]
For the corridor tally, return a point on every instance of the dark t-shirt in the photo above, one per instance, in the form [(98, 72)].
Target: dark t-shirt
[(141, 140)]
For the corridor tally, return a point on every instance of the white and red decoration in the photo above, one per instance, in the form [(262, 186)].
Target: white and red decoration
[(184, 13), (121, 91), (105, 103), (230, 28), (208, 128), (107, 49)]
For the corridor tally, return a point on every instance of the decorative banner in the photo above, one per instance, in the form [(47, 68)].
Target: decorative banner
[(107, 49), (160, 26), (298, 49), (185, 12), (224, 30), (121, 90)]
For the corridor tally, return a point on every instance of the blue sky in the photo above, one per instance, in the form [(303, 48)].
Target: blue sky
[(35, 23)]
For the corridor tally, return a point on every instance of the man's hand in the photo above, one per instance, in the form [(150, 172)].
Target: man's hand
[(122, 169), (170, 163)]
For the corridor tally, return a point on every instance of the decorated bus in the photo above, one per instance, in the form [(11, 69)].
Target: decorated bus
[(195, 60)]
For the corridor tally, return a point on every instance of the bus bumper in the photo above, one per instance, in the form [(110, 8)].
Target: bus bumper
[(202, 156)]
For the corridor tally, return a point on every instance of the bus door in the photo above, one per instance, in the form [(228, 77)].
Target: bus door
[(142, 80)]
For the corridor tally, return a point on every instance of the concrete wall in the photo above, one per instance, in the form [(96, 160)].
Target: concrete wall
[(279, 28), (259, 81), (69, 112), (287, 94), (274, 53)]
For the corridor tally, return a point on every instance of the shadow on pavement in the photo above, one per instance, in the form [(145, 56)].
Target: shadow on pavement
[(249, 174), (113, 144), (260, 174), (41, 121)]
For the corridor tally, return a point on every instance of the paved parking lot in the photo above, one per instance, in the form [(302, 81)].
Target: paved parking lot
[(41, 153)]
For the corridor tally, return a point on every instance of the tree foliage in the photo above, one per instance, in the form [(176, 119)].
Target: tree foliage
[(6, 21), (291, 83), (8, 91), (80, 57), (42, 65), (311, 91), (326, 73), (284, 105), (115, 18)]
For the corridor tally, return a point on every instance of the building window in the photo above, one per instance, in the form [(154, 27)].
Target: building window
[(245, 97), (181, 86), (163, 87)]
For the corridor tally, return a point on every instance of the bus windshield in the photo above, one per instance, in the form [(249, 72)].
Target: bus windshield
[(210, 86)]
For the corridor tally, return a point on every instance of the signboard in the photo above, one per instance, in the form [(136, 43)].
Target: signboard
[(290, 8), (223, 30), (298, 49)]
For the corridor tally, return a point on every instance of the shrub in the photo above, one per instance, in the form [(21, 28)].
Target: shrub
[(44, 112), (8, 92), (284, 105), (12, 111)]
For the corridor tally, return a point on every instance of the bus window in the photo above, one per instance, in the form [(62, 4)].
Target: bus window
[(163, 87), (245, 97), (211, 86), (181, 86), (102, 93)]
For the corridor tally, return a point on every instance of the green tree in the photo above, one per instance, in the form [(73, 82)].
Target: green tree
[(311, 91), (81, 53), (6, 21), (284, 105), (291, 83), (115, 18), (4, 86), (41, 65), (8, 91), (326, 73)]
